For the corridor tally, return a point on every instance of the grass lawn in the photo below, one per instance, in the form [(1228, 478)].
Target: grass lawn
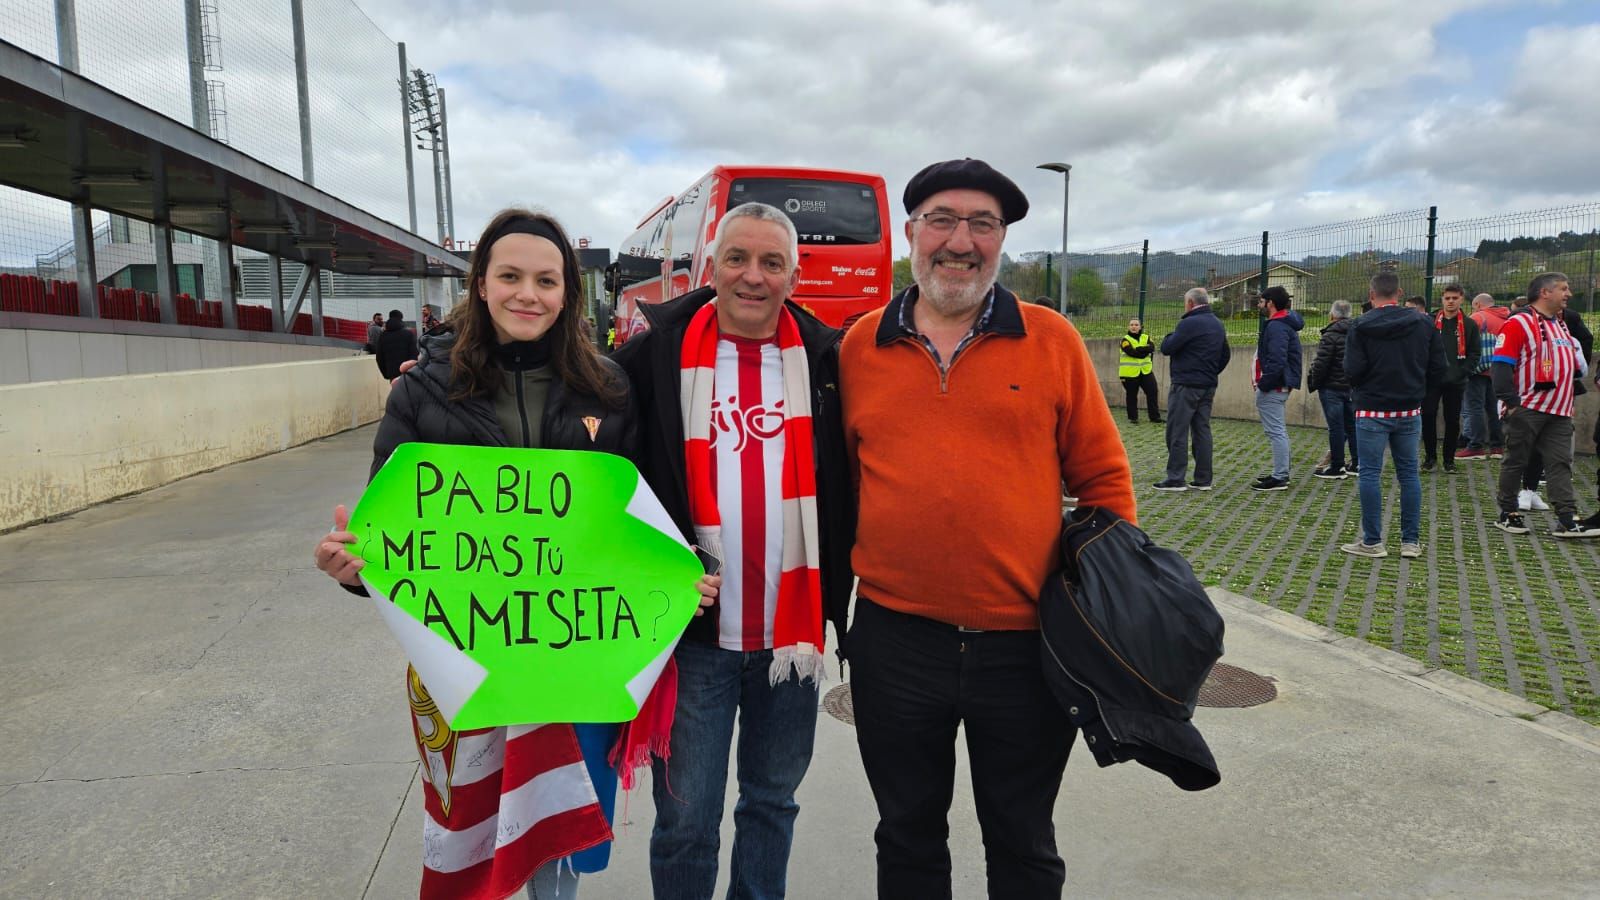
[(1519, 612)]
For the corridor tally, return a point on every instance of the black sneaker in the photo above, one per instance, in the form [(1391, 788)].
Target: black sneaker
[(1268, 483), (1511, 523), (1156, 421), (1206, 486), (1171, 484), (1331, 473), (1567, 528), (1591, 522), (1428, 464)]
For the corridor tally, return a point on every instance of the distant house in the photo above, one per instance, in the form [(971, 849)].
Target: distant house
[(1236, 290)]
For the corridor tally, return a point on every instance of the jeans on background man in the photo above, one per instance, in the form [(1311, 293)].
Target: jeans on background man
[(1480, 415), (1401, 438), (1340, 412), (1272, 407), (777, 724), (1189, 414)]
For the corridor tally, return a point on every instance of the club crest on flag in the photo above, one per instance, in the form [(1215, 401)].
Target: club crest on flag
[(593, 424)]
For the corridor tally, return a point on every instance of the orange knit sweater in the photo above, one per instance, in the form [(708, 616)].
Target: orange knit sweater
[(960, 484)]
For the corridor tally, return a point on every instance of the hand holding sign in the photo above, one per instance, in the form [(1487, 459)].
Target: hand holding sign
[(525, 585)]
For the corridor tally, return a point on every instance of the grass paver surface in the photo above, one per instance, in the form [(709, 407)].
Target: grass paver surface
[(1518, 612)]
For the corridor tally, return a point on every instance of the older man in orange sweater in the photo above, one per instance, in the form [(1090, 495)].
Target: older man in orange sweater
[(965, 414)]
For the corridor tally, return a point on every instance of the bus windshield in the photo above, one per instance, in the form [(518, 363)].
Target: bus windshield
[(823, 212)]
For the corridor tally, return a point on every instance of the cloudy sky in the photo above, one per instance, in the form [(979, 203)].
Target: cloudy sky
[(1184, 122)]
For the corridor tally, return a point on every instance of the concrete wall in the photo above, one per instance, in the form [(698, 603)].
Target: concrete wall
[(38, 348), (70, 444), (1236, 398)]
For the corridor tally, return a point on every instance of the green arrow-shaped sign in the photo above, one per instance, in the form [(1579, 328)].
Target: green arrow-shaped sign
[(525, 585)]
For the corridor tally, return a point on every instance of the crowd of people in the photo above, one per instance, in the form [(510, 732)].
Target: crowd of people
[(1501, 380), (840, 482)]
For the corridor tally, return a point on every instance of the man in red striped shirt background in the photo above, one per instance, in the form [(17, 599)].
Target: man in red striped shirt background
[(1536, 360)]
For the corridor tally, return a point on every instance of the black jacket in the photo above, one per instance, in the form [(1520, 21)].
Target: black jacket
[(1327, 369), (420, 409), (1128, 637), (395, 345), (653, 361), (1458, 368), (1198, 347), (1392, 356)]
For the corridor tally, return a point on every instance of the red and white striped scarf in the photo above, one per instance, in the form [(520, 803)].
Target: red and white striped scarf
[(797, 628), (499, 802)]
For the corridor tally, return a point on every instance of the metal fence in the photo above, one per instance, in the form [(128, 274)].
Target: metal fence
[(1497, 255), (358, 115)]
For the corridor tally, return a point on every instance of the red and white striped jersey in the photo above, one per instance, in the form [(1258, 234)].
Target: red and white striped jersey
[(747, 443), (1544, 353)]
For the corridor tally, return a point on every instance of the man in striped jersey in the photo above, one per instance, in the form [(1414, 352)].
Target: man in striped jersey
[(1392, 357), (1536, 360), (740, 438)]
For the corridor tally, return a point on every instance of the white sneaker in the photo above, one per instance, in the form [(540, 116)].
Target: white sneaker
[(1525, 499), (1536, 502)]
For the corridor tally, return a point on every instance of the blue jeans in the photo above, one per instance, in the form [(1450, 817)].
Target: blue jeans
[(1270, 404), (776, 727), (1480, 415), (1340, 413), (1401, 437)]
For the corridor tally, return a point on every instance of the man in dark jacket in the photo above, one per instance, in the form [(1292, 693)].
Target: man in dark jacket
[(723, 387), (1459, 336), (1392, 357), (397, 344), (1327, 378), (1277, 372), (1199, 351)]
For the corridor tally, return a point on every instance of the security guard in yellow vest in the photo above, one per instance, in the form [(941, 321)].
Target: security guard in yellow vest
[(1136, 368)]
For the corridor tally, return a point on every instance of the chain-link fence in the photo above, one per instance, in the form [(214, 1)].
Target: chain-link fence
[(245, 55), (1319, 264)]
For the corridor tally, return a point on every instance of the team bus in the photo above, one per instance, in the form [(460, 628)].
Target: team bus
[(843, 222)]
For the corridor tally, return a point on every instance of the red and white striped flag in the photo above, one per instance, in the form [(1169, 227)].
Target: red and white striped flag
[(500, 803)]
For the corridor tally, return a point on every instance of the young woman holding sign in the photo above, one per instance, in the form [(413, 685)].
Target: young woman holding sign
[(519, 374)]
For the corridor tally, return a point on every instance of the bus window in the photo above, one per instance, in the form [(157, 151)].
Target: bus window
[(823, 212)]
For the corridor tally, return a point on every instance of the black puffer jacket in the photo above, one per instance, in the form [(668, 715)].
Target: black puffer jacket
[(652, 361), (420, 409), (1327, 370)]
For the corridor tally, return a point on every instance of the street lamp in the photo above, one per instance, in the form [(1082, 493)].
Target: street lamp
[(1066, 191)]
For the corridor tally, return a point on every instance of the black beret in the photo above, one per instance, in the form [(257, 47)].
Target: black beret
[(974, 174)]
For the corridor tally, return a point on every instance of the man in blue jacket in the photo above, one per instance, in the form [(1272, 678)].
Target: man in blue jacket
[(1199, 351), (1277, 372)]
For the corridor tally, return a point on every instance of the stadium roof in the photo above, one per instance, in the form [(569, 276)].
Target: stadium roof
[(67, 137)]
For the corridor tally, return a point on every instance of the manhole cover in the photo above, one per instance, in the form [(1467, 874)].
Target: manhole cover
[(837, 703), (1231, 687)]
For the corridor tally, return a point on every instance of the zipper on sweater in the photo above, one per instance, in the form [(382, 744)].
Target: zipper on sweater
[(944, 371), (522, 413)]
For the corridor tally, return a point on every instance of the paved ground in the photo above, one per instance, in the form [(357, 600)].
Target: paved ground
[(195, 712), (1516, 612)]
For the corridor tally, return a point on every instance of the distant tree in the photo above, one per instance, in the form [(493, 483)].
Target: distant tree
[(1086, 289), (1128, 287), (902, 274)]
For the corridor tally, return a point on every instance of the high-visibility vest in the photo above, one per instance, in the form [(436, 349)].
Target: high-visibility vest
[(1133, 366)]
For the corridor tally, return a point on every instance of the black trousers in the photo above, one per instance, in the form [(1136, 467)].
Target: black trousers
[(912, 682), (1451, 395), (1147, 382)]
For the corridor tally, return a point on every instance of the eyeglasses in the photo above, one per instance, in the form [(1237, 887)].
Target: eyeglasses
[(980, 225)]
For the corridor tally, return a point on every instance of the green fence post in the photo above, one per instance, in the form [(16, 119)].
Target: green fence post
[(1427, 277), (1144, 272), (1261, 288)]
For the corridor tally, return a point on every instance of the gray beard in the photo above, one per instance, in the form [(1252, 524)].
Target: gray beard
[(947, 301)]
